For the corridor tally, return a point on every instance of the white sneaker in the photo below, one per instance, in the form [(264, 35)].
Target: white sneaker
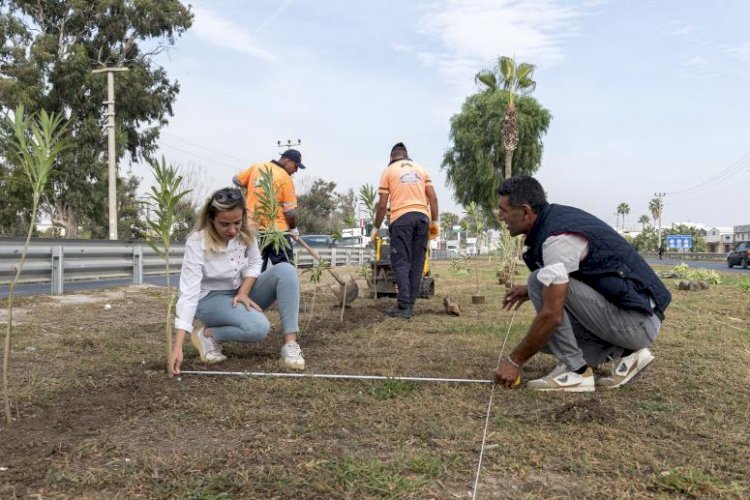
[(207, 347), (626, 368), (291, 356), (562, 379)]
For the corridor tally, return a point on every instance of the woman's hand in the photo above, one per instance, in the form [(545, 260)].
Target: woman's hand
[(175, 359), (241, 298)]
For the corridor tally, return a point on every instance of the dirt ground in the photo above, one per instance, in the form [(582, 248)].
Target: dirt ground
[(95, 415)]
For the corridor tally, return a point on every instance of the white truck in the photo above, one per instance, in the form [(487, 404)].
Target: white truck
[(354, 237)]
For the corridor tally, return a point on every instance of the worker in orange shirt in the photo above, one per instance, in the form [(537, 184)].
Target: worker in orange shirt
[(285, 220), (413, 220)]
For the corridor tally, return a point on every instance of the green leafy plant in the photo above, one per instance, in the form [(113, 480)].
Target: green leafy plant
[(477, 221), (316, 273), (266, 209), (35, 143), (164, 198), (458, 264), (367, 194), (684, 271), (745, 286)]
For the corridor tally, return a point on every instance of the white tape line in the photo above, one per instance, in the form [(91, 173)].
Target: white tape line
[(338, 377), (489, 409)]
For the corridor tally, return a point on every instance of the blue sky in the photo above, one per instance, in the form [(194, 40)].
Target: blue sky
[(646, 96)]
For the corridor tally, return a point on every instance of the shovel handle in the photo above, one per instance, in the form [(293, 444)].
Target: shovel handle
[(316, 256)]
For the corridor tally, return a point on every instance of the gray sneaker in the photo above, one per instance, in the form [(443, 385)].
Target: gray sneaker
[(562, 379), (208, 349), (291, 356), (626, 368)]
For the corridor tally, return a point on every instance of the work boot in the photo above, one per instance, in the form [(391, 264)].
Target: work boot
[(404, 312)]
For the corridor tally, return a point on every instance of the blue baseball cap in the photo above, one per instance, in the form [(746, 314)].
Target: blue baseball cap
[(293, 155)]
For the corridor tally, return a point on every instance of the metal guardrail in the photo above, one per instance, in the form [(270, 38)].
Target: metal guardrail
[(56, 261), (707, 256)]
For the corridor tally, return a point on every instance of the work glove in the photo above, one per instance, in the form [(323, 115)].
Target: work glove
[(434, 230), (374, 237), (294, 233)]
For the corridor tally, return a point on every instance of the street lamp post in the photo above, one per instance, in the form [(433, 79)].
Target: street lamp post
[(111, 152)]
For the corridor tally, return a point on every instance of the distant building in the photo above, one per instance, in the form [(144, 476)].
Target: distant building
[(742, 233), (719, 239)]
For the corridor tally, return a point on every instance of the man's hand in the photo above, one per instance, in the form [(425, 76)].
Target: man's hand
[(374, 237), (244, 299), (507, 375), (515, 297), (294, 232), (434, 230)]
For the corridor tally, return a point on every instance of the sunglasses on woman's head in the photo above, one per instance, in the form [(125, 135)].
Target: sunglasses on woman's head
[(227, 195)]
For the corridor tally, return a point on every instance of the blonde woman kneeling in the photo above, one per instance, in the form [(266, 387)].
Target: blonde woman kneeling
[(222, 286)]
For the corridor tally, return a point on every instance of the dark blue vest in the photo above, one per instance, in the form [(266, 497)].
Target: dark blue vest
[(612, 267)]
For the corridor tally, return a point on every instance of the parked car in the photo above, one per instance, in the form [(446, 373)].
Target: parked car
[(319, 240), (740, 256)]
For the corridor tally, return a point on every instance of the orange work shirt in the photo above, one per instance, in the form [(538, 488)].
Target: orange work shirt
[(404, 182), (283, 186)]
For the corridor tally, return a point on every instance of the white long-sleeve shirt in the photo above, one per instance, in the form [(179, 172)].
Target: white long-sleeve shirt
[(203, 272)]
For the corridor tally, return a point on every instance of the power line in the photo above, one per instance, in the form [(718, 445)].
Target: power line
[(210, 160), (243, 160), (734, 168)]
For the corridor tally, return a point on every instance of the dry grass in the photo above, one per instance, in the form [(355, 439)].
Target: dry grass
[(97, 417)]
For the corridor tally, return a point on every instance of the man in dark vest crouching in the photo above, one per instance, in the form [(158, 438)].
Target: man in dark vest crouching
[(596, 299)]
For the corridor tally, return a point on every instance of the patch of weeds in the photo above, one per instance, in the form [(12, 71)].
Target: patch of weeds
[(382, 479), (507, 424), (426, 465), (656, 406), (686, 481), (390, 389), (61, 478)]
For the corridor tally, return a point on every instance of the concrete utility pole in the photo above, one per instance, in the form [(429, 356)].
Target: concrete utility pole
[(111, 152), (661, 211)]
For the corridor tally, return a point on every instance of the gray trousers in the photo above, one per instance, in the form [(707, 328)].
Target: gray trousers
[(593, 329), (237, 324)]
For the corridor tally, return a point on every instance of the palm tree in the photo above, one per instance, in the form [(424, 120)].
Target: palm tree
[(656, 206), (447, 221), (643, 220), (514, 79), (623, 209)]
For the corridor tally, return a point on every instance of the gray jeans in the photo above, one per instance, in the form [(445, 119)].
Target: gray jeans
[(593, 329), (236, 324)]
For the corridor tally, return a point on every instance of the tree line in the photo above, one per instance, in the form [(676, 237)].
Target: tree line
[(48, 50)]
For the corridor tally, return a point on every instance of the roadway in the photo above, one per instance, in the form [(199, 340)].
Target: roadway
[(26, 289), (700, 264), (77, 286)]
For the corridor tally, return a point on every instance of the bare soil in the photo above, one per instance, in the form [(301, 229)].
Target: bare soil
[(95, 415)]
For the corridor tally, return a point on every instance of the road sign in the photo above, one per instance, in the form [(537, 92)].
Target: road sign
[(680, 241)]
